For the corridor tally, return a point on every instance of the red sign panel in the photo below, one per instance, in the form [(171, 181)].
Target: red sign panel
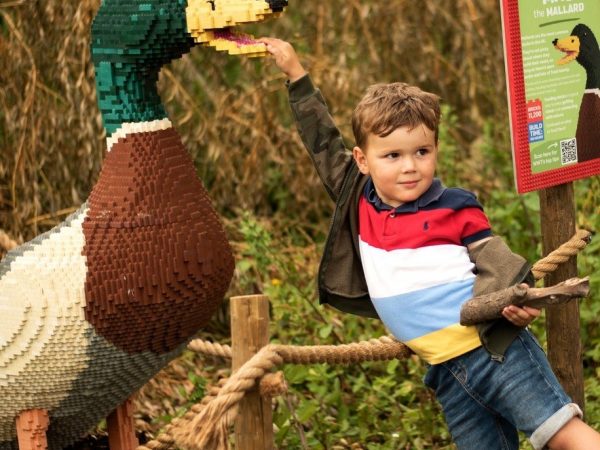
[(552, 65)]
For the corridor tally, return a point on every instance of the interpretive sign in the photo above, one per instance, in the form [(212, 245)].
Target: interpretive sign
[(553, 75)]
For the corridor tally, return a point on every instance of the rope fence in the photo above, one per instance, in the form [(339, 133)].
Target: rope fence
[(206, 425), (562, 254), (6, 243)]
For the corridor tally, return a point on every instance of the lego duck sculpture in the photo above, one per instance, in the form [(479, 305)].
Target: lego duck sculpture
[(92, 309), (582, 47)]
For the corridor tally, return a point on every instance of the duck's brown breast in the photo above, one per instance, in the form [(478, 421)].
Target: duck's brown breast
[(158, 260), (588, 127)]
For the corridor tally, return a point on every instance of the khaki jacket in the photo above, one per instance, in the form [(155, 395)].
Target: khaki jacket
[(341, 281)]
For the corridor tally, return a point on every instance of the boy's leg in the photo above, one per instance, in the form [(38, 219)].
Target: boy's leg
[(472, 425), (522, 389), (575, 435)]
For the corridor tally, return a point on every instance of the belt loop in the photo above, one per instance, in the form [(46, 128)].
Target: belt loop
[(498, 358)]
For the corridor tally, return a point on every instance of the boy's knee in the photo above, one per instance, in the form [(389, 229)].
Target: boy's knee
[(561, 439), (575, 434)]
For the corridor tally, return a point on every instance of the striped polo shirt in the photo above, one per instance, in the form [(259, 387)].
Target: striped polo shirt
[(418, 269)]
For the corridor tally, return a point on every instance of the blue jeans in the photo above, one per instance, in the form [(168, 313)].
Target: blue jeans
[(485, 402)]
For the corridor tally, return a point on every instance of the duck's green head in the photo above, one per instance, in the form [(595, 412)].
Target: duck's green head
[(149, 31), (133, 39)]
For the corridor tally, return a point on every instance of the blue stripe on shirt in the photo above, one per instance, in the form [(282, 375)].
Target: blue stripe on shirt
[(415, 314)]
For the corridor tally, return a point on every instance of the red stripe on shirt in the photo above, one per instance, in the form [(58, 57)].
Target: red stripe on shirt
[(389, 230)]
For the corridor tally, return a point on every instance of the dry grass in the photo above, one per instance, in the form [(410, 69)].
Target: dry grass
[(232, 113), (50, 131)]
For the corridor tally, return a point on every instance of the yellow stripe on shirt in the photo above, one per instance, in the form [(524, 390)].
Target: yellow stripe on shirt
[(447, 343)]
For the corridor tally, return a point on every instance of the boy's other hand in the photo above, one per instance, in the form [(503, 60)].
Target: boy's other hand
[(520, 317), (285, 57)]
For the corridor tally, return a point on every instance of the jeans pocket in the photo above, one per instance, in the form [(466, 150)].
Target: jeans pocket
[(458, 369)]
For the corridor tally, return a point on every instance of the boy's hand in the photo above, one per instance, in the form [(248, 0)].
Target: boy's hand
[(520, 317), (285, 57)]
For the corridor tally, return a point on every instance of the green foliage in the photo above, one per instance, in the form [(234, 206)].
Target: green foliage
[(199, 387)]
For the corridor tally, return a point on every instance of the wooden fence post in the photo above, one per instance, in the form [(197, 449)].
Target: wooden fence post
[(557, 207), (249, 333)]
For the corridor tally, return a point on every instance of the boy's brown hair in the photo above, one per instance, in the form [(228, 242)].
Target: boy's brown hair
[(386, 107)]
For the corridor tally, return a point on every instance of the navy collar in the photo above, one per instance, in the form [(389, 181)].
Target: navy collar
[(432, 194)]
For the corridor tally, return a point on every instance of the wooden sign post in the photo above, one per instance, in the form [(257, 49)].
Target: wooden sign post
[(557, 206), (549, 92)]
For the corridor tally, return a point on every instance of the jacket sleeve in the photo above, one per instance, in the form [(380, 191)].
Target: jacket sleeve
[(498, 268), (319, 134)]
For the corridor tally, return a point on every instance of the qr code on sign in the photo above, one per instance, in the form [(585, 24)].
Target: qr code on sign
[(568, 151)]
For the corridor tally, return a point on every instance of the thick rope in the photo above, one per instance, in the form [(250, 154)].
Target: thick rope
[(185, 428), (6, 242), (562, 254), (206, 425), (165, 440), (210, 348), (205, 430)]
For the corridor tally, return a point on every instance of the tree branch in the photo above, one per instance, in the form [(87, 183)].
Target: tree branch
[(490, 306)]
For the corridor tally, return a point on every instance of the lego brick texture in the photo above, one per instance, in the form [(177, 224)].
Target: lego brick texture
[(31, 429), (94, 308), (158, 260), (588, 129), (132, 40)]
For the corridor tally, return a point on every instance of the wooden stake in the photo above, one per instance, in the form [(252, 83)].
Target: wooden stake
[(557, 208), (249, 333), (32, 426), (121, 428)]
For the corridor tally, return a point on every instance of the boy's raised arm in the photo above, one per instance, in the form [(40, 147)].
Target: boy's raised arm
[(315, 125)]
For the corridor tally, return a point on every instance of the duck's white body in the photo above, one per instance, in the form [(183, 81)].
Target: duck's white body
[(51, 357)]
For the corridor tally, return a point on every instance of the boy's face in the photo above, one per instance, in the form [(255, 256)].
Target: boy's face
[(401, 165)]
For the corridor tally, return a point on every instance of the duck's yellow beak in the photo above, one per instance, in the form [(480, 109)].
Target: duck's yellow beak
[(212, 23), (569, 45)]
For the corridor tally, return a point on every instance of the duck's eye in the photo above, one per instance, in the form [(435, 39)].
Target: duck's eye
[(212, 4)]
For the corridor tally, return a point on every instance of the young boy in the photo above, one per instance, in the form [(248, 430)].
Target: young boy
[(404, 248)]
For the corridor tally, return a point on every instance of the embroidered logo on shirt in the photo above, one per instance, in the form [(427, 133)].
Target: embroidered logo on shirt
[(425, 225)]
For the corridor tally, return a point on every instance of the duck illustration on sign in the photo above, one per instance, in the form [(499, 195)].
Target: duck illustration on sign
[(581, 46), (92, 309)]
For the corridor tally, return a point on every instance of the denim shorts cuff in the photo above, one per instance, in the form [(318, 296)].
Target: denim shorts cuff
[(555, 422)]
